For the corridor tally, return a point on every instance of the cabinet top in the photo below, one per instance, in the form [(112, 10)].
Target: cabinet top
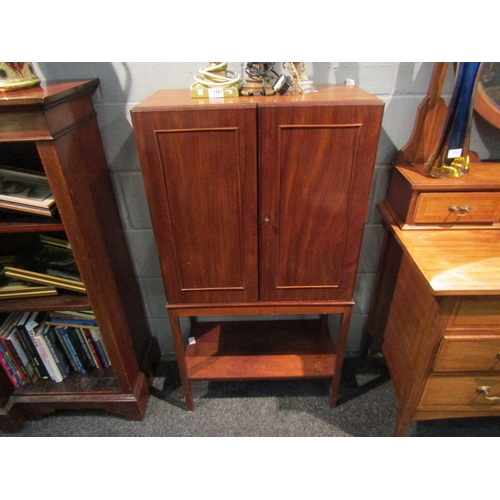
[(326, 94), (48, 93), (455, 262)]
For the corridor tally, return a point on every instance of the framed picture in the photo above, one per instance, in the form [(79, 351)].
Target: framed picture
[(25, 188), (487, 102), (14, 288), (51, 262)]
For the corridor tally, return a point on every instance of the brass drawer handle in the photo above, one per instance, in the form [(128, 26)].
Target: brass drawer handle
[(485, 389), (460, 211)]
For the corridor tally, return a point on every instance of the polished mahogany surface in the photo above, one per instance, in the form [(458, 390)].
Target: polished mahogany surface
[(258, 206)]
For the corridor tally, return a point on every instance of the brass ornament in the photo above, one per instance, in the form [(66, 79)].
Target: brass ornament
[(301, 83), (17, 75)]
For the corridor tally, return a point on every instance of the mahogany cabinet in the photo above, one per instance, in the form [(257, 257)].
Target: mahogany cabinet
[(53, 129), (258, 207)]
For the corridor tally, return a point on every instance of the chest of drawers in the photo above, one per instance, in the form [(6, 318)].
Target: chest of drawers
[(442, 337), (436, 309)]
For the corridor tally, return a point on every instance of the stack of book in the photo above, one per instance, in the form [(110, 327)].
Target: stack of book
[(26, 191), (39, 346), (40, 270)]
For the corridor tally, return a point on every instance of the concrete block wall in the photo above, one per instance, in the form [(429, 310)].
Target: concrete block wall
[(401, 86)]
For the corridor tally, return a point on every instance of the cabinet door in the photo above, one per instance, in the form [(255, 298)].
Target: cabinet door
[(316, 169), (200, 174)]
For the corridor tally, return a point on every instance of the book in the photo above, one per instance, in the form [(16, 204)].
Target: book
[(99, 345), (49, 262), (24, 190), (10, 367), (69, 349), (11, 356), (90, 344), (75, 322), (57, 352), (7, 360), (29, 345), (76, 341), (18, 366), (86, 348), (73, 314), (8, 321), (36, 332), (14, 355), (8, 370), (13, 338), (46, 354)]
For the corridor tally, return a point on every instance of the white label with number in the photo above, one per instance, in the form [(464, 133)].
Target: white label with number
[(215, 92), (454, 153)]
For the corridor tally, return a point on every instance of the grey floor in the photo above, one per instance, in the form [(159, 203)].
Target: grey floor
[(299, 408)]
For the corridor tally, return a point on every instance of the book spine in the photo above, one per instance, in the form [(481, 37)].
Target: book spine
[(14, 360), (57, 354), (8, 370), (90, 344), (85, 346), (79, 322), (29, 349), (88, 315), (68, 347), (9, 367), (45, 354), (77, 344), (19, 356), (96, 337)]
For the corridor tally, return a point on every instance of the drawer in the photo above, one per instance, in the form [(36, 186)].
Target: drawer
[(461, 392), (468, 353), (458, 208), (476, 313)]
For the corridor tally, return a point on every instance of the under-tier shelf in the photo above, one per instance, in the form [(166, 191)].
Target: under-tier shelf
[(96, 381), (247, 350)]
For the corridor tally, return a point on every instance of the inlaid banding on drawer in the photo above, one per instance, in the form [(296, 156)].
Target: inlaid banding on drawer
[(458, 208), (467, 353)]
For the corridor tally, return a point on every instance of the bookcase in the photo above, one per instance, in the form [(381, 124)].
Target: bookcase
[(52, 129)]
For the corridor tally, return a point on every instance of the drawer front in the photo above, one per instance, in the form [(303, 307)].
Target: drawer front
[(462, 392), (468, 353), (458, 208), (476, 313)]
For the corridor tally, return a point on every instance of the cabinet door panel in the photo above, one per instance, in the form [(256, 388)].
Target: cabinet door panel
[(204, 187), (315, 177)]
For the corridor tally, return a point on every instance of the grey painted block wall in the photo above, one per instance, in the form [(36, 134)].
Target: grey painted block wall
[(401, 85)]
